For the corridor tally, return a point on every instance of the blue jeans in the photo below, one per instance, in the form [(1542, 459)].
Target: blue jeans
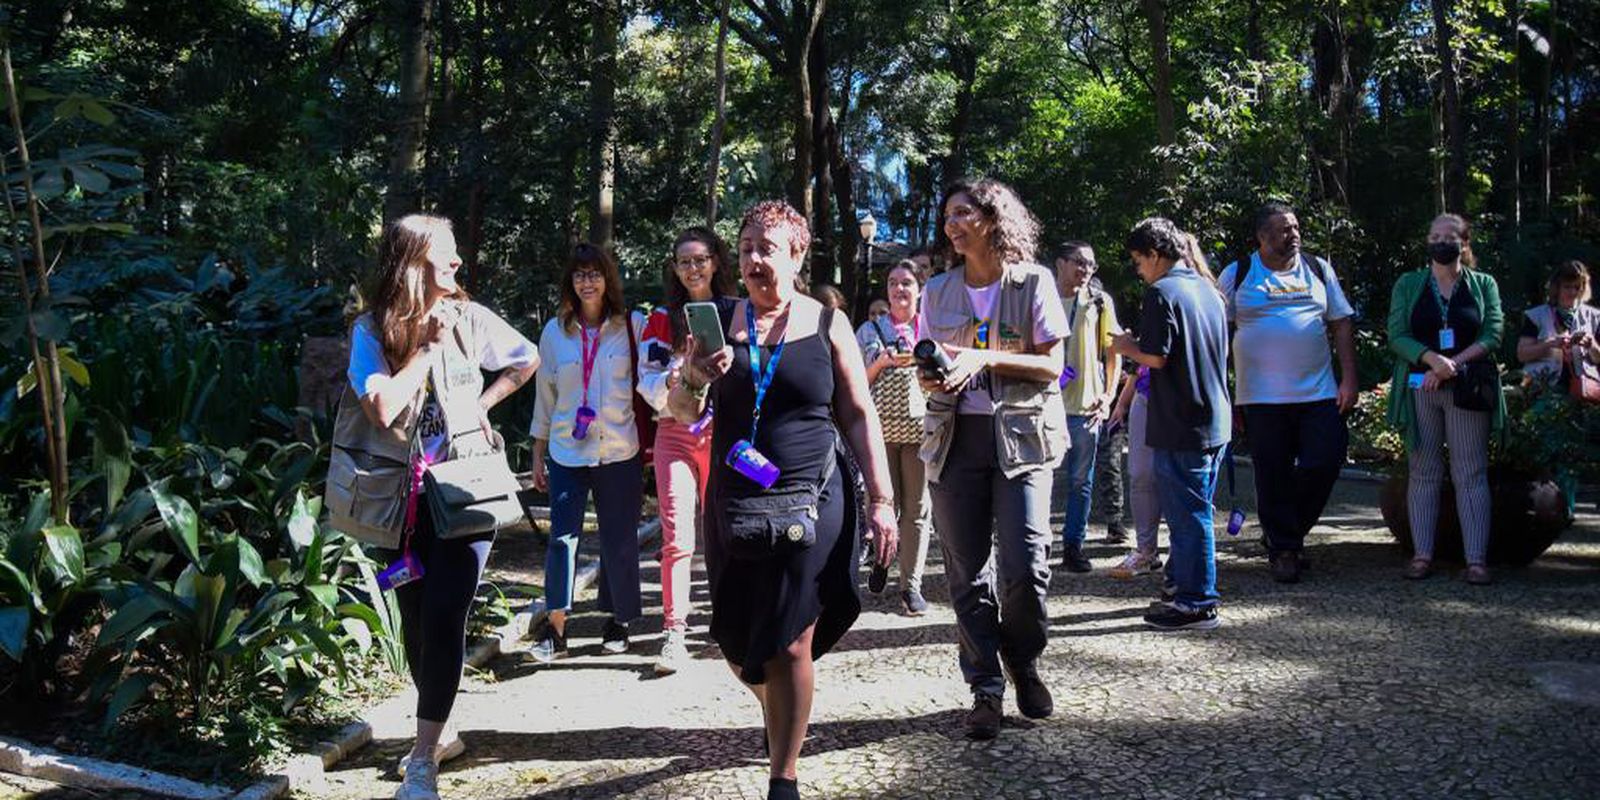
[(618, 492), (1077, 473), (1185, 483)]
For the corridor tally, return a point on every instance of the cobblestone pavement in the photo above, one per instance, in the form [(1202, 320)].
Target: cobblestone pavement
[(1352, 684)]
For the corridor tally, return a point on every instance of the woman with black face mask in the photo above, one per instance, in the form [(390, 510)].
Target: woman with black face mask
[(1445, 323)]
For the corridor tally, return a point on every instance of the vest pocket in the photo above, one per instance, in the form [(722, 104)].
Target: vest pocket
[(1023, 438)]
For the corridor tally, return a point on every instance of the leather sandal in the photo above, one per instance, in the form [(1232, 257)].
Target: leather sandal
[(1418, 569)]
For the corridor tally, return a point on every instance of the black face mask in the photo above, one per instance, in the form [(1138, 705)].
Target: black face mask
[(1444, 252)]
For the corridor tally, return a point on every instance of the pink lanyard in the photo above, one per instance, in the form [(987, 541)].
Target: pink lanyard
[(590, 354), (418, 466)]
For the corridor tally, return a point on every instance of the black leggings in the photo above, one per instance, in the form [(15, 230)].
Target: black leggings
[(433, 612)]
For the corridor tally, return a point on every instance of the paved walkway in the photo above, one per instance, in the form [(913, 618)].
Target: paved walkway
[(1353, 684)]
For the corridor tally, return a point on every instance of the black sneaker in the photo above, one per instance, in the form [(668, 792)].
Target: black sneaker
[(548, 645), (1073, 560), (983, 721), (614, 639), (1170, 617), (1033, 697), (914, 603), (1285, 566)]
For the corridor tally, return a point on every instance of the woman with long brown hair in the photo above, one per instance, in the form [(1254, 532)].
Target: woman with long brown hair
[(424, 330), (585, 440), (697, 273)]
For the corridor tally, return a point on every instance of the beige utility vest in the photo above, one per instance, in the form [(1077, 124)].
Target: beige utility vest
[(1029, 418)]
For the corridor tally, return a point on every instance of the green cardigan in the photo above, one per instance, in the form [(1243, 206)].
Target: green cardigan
[(1408, 350)]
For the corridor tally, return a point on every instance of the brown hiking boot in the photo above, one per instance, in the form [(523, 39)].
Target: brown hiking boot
[(983, 721)]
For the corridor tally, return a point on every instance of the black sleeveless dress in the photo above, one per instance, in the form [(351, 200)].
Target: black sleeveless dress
[(759, 607)]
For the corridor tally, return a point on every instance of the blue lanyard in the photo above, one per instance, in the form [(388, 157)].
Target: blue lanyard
[(761, 378)]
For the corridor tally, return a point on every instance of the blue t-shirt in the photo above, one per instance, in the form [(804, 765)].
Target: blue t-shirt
[(1183, 319)]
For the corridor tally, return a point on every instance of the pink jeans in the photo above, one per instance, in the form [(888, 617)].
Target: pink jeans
[(682, 464)]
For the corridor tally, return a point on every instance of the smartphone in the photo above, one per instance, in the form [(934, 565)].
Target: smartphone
[(706, 325)]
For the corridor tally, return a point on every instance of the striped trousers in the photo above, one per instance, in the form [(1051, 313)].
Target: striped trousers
[(1440, 425)]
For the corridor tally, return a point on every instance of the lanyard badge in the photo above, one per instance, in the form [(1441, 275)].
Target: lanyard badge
[(407, 568), (590, 352), (744, 457)]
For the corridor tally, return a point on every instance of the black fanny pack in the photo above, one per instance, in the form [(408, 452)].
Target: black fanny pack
[(775, 522), (1477, 386)]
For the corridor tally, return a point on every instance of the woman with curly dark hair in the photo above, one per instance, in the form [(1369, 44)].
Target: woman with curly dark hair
[(994, 431)]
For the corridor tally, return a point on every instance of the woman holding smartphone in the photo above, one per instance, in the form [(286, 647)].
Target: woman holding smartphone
[(585, 439), (781, 547), (697, 273)]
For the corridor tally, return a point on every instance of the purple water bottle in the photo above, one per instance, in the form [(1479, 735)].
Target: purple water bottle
[(1236, 522), (580, 423), (750, 463)]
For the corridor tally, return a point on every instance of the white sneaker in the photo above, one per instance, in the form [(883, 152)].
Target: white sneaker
[(421, 780), (674, 653), (1134, 564), (449, 747)]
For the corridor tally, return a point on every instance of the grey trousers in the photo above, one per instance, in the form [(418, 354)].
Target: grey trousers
[(1466, 433), (908, 478), (995, 533)]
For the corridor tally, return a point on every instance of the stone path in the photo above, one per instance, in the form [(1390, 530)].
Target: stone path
[(1353, 684)]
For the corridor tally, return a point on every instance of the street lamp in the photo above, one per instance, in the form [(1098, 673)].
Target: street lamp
[(869, 231)]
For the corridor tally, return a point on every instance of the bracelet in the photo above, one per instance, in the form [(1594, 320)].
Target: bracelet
[(887, 502)]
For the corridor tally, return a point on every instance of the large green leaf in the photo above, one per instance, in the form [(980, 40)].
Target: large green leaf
[(182, 522), (302, 522), (131, 622), (15, 585), (113, 456), (134, 510), (14, 631), (129, 691), (90, 179), (210, 595), (65, 548)]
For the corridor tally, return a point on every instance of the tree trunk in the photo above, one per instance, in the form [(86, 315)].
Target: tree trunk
[(823, 266), (1166, 117), (799, 186), (1333, 86), (415, 23), (566, 193), (603, 122), (1455, 182), (964, 66), (714, 163), (46, 359), (1514, 121)]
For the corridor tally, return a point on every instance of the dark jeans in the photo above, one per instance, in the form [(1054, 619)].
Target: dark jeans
[(433, 612), (618, 492), (1108, 494), (1298, 450), (995, 532), (1186, 480)]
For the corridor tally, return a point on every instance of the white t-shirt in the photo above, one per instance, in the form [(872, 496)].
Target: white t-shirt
[(1281, 352), (500, 347)]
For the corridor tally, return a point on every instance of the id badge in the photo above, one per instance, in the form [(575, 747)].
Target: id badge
[(1068, 375), (400, 573), (1414, 380), (1447, 339), (749, 462), (1236, 522)]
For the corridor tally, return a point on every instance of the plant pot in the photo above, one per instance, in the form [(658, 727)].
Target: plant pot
[(1527, 515)]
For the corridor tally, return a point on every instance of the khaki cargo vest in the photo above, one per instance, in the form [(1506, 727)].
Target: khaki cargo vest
[(1030, 420)]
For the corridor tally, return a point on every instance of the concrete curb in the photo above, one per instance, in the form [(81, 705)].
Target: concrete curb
[(82, 772), (1347, 473)]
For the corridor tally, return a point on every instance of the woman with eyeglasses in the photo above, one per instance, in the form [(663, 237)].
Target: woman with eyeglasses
[(697, 273), (585, 440)]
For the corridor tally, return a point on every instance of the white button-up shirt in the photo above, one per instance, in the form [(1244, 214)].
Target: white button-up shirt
[(613, 435)]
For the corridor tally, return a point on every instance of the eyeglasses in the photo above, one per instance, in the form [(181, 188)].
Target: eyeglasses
[(588, 276), (692, 262)]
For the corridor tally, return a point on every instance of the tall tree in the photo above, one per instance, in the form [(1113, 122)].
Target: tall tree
[(714, 162), (1455, 174), (603, 121), (415, 23), (782, 34), (1161, 55)]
